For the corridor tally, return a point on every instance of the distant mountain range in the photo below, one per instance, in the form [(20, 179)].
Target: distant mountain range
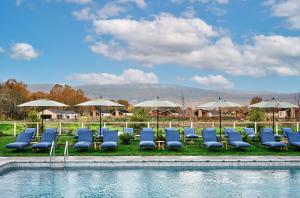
[(190, 95)]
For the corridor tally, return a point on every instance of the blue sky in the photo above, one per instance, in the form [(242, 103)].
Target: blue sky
[(211, 44)]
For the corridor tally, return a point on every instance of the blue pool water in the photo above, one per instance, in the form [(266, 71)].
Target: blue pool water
[(150, 183)]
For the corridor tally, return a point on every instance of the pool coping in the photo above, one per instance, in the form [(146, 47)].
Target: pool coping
[(150, 161)]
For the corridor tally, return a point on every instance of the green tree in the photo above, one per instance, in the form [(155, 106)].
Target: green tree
[(255, 100), (33, 116), (256, 115), (139, 115)]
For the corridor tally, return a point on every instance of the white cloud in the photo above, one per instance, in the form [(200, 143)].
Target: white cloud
[(190, 12), (284, 71), (139, 3), (215, 10), (79, 1), (83, 14), (1, 50), (128, 76), (289, 9), (109, 10), (211, 1), (23, 51), (213, 81), (193, 43), (18, 2)]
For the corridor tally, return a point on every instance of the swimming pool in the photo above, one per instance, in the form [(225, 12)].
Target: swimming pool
[(150, 182)]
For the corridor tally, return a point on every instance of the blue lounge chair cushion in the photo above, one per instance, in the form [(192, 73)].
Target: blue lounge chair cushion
[(42, 145), (286, 130), (236, 139), (100, 132), (83, 144), (147, 144), (110, 139), (148, 129), (226, 130), (109, 145), (31, 130), (293, 138), (297, 144), (239, 144), (174, 144), (190, 133), (249, 132), (173, 138), (17, 145), (128, 130), (275, 144), (213, 144), (22, 141)]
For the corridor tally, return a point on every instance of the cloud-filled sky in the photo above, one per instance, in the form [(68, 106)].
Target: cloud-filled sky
[(212, 44)]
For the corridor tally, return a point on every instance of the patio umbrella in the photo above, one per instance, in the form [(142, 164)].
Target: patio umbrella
[(100, 102), (273, 104), (42, 103), (220, 103), (157, 103)]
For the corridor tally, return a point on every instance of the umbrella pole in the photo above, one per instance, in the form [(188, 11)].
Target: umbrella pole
[(273, 119), (100, 120), (157, 127), (220, 117), (42, 121)]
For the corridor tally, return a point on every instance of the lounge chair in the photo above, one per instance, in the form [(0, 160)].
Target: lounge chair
[(210, 138), (147, 139), (76, 133), (226, 130), (128, 130), (293, 138), (100, 132), (85, 139), (110, 140), (267, 138), (147, 129), (31, 130), (173, 138), (190, 133), (271, 131), (249, 132), (235, 139), (22, 141), (286, 130), (46, 140)]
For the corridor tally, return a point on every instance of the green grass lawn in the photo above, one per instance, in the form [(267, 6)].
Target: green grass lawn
[(133, 149)]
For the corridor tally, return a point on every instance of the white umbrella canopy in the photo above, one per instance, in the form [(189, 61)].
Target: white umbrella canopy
[(157, 103), (42, 103), (219, 103), (100, 102), (273, 104)]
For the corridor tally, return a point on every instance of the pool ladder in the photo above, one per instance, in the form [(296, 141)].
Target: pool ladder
[(52, 151), (66, 152)]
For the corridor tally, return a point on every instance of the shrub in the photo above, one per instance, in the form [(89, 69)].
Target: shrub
[(125, 138), (139, 115)]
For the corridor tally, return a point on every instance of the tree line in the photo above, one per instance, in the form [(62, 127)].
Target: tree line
[(13, 93)]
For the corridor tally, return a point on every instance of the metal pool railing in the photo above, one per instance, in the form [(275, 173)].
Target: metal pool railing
[(66, 152), (52, 151)]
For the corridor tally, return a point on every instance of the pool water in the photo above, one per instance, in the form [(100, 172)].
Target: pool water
[(150, 183)]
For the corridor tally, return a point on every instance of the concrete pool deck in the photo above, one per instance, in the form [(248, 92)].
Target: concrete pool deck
[(150, 161)]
